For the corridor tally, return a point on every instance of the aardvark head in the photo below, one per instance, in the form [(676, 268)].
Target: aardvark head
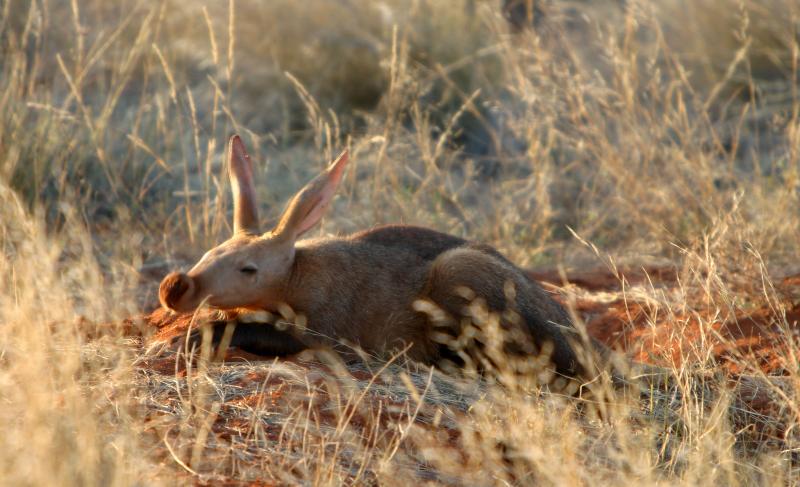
[(251, 269)]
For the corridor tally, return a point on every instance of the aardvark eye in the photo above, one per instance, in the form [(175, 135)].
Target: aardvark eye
[(248, 269)]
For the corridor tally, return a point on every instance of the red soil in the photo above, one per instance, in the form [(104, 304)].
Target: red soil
[(733, 342), (647, 332)]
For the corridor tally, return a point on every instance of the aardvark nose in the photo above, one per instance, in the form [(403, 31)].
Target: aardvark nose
[(174, 287)]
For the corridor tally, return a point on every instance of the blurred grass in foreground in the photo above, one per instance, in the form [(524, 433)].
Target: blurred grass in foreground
[(654, 132)]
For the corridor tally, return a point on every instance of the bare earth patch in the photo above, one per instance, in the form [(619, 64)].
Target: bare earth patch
[(266, 421)]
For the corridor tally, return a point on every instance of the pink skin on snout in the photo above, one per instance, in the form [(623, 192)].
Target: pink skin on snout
[(174, 288)]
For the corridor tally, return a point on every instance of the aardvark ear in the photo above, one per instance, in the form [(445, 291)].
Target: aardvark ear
[(245, 207), (310, 203)]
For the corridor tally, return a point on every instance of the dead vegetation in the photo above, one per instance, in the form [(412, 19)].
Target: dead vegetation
[(646, 155)]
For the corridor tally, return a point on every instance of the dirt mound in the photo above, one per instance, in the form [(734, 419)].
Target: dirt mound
[(259, 405), (630, 321), (732, 340)]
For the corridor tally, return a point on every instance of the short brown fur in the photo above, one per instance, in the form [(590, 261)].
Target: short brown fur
[(361, 289)]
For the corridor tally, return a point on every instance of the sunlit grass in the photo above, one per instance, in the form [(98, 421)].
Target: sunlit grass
[(664, 134)]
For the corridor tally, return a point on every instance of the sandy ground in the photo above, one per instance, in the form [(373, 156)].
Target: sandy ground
[(633, 325)]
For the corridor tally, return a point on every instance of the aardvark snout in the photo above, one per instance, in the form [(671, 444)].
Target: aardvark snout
[(173, 288)]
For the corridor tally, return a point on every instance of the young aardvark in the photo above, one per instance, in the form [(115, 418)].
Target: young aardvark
[(364, 289)]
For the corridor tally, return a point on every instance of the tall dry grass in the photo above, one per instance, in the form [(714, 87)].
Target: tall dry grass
[(664, 132)]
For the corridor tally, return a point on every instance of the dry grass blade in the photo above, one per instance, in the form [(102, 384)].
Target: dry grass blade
[(648, 152)]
